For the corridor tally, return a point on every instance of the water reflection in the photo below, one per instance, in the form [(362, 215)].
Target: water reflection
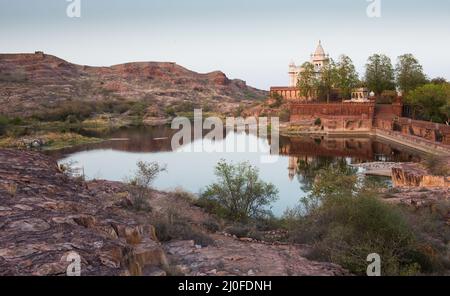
[(293, 174)]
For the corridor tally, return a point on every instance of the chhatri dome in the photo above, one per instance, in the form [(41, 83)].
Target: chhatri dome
[(319, 59), (319, 53)]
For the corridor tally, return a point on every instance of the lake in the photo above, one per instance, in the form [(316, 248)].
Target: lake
[(292, 173)]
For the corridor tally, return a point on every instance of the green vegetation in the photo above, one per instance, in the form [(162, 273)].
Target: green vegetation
[(327, 81), (140, 184), (346, 220), (346, 76), (409, 73), (81, 110), (307, 82), (379, 74), (431, 102), (47, 140), (239, 194), (278, 100)]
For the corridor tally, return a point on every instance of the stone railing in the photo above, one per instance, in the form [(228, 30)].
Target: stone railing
[(413, 141), (433, 132), (333, 109)]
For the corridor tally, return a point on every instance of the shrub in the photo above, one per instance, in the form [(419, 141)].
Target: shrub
[(284, 115), (346, 222), (318, 122), (277, 100), (239, 230), (240, 191), (140, 184), (437, 165), (173, 227), (138, 109), (170, 111), (211, 225), (4, 121), (179, 193)]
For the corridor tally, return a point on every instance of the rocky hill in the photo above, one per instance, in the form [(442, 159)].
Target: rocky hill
[(33, 82)]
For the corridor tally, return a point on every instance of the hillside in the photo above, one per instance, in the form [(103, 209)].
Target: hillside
[(33, 83)]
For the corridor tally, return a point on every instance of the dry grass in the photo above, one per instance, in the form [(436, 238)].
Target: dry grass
[(50, 140), (438, 165)]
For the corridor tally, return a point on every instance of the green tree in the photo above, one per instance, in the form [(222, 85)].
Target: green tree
[(438, 80), (346, 76), (308, 82), (327, 80), (379, 74), (240, 191), (431, 102), (409, 73)]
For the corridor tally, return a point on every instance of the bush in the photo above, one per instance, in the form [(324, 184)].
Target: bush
[(278, 100), (4, 121), (173, 227), (170, 111), (437, 165), (211, 225), (238, 230), (318, 122), (140, 184), (345, 222), (179, 193), (138, 109), (240, 192), (284, 115)]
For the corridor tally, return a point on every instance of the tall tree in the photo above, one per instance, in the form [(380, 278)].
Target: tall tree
[(409, 73), (307, 82), (327, 80), (379, 74), (431, 102), (346, 76)]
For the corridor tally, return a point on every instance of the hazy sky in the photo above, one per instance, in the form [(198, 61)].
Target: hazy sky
[(249, 39)]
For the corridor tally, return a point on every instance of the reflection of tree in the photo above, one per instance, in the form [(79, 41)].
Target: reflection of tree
[(309, 167)]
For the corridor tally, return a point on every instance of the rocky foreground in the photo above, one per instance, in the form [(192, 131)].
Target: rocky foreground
[(45, 215)]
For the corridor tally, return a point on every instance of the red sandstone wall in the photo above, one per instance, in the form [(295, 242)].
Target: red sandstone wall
[(337, 116), (365, 110), (430, 131)]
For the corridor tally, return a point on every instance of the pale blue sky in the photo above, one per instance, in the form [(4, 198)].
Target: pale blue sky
[(249, 39)]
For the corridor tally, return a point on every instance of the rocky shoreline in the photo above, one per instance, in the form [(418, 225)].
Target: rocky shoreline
[(45, 215)]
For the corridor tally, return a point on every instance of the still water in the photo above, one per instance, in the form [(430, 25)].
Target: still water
[(292, 173)]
